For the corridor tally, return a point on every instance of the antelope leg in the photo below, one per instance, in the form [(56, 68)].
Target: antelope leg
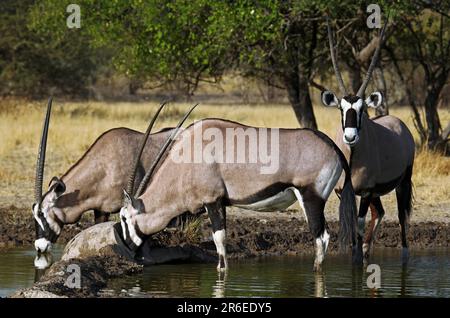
[(217, 215)]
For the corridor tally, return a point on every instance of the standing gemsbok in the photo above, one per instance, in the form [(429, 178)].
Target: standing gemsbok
[(94, 182), (380, 152), (309, 166)]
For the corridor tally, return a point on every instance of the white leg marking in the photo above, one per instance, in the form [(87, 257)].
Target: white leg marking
[(325, 240), (300, 201), (321, 247), (319, 252), (219, 240)]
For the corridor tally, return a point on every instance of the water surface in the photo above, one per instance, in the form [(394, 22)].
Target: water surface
[(17, 268), (426, 275)]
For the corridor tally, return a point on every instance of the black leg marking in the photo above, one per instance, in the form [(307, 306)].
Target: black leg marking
[(314, 209), (363, 208), (217, 215)]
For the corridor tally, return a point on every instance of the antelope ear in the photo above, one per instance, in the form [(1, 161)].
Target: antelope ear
[(58, 187), (126, 198), (329, 99), (374, 100)]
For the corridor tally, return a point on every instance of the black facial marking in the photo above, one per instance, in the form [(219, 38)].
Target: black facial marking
[(47, 232), (350, 119), (351, 98)]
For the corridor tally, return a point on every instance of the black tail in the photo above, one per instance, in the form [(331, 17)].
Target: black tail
[(347, 211), (405, 194)]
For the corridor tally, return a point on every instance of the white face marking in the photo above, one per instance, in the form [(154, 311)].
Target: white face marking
[(327, 179), (43, 245), (351, 132), (36, 217), (49, 218), (131, 229), (122, 222), (47, 204)]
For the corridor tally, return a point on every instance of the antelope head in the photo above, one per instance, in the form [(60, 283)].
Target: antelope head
[(352, 106), (46, 215)]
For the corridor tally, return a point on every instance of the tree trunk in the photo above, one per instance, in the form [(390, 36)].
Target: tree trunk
[(435, 85), (432, 118), (297, 87)]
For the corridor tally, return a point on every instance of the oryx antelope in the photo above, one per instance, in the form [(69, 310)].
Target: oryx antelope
[(380, 152), (310, 164), (95, 182)]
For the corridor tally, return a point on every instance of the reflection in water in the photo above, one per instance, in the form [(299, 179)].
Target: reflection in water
[(219, 287), (426, 275), (42, 262), (320, 290), (17, 267)]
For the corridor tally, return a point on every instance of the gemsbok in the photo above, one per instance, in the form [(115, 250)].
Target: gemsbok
[(380, 152), (217, 163), (94, 182)]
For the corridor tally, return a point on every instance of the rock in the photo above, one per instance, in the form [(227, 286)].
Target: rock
[(35, 293), (89, 242)]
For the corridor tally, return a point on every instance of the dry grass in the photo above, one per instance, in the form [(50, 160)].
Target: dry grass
[(75, 125)]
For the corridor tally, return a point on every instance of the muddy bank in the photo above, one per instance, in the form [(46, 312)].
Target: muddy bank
[(17, 228), (95, 272), (248, 234)]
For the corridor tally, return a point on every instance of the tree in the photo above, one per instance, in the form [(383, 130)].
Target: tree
[(33, 64), (193, 41), (421, 47)]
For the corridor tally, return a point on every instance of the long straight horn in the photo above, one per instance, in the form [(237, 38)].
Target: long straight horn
[(41, 155), (333, 60), (137, 158), (169, 140), (373, 63)]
